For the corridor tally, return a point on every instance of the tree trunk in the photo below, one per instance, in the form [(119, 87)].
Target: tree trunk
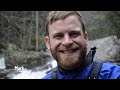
[(36, 30)]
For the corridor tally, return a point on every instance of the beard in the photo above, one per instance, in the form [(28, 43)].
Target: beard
[(70, 57)]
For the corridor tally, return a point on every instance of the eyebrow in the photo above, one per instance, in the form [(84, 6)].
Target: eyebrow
[(74, 32)]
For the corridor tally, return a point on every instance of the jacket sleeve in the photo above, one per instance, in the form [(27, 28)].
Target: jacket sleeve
[(109, 71)]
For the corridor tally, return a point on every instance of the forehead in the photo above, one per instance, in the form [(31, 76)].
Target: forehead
[(67, 22)]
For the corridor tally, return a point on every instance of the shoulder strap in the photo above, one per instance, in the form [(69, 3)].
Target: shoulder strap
[(95, 70), (54, 73)]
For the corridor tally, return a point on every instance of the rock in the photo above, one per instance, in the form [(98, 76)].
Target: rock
[(27, 59), (108, 49), (7, 73), (12, 47)]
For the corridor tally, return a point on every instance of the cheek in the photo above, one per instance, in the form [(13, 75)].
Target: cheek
[(54, 44), (81, 41)]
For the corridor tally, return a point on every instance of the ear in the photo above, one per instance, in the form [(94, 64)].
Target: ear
[(47, 41), (86, 37)]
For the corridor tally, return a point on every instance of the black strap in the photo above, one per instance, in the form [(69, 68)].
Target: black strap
[(95, 70), (54, 73)]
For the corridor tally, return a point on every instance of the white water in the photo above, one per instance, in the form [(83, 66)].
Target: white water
[(29, 74), (2, 63)]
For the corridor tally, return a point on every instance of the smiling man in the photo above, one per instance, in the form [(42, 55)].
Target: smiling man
[(67, 41)]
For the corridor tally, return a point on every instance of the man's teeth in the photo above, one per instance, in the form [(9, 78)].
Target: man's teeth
[(68, 51)]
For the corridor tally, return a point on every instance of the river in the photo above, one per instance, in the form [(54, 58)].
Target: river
[(28, 74)]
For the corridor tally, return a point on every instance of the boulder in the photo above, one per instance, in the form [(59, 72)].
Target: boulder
[(108, 49), (26, 59)]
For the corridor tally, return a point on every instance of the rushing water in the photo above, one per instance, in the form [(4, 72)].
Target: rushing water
[(29, 74), (2, 63)]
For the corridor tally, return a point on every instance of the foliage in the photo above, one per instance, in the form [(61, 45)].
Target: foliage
[(19, 27), (104, 24), (98, 33), (114, 17), (99, 17), (42, 45)]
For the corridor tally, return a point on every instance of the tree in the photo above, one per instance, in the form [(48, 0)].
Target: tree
[(36, 30), (100, 24), (114, 18)]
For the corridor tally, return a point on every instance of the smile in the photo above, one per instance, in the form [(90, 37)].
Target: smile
[(68, 51)]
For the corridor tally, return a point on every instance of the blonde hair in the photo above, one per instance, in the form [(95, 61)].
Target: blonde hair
[(58, 15)]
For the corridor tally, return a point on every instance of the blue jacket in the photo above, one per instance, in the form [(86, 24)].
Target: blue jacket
[(108, 71)]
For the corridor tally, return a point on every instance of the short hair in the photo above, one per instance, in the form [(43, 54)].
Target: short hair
[(58, 15)]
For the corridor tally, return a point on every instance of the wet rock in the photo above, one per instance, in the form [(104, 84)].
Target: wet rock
[(7, 73)]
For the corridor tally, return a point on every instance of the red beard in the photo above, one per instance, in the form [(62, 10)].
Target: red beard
[(70, 57)]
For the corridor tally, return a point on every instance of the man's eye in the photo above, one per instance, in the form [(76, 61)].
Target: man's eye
[(74, 34), (58, 36)]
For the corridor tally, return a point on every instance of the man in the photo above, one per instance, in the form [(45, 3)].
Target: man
[(67, 41)]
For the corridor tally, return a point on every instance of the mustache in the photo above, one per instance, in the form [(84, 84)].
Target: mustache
[(62, 48)]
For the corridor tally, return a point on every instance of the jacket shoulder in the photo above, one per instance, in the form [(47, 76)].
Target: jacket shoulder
[(48, 76), (109, 71)]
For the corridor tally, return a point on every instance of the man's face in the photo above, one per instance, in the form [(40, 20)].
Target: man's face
[(67, 42)]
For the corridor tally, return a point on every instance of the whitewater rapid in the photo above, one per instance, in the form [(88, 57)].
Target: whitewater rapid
[(29, 74)]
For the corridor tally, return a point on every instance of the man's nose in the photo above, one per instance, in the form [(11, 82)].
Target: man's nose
[(67, 41)]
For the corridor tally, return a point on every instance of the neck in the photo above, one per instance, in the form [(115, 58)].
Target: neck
[(75, 70)]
